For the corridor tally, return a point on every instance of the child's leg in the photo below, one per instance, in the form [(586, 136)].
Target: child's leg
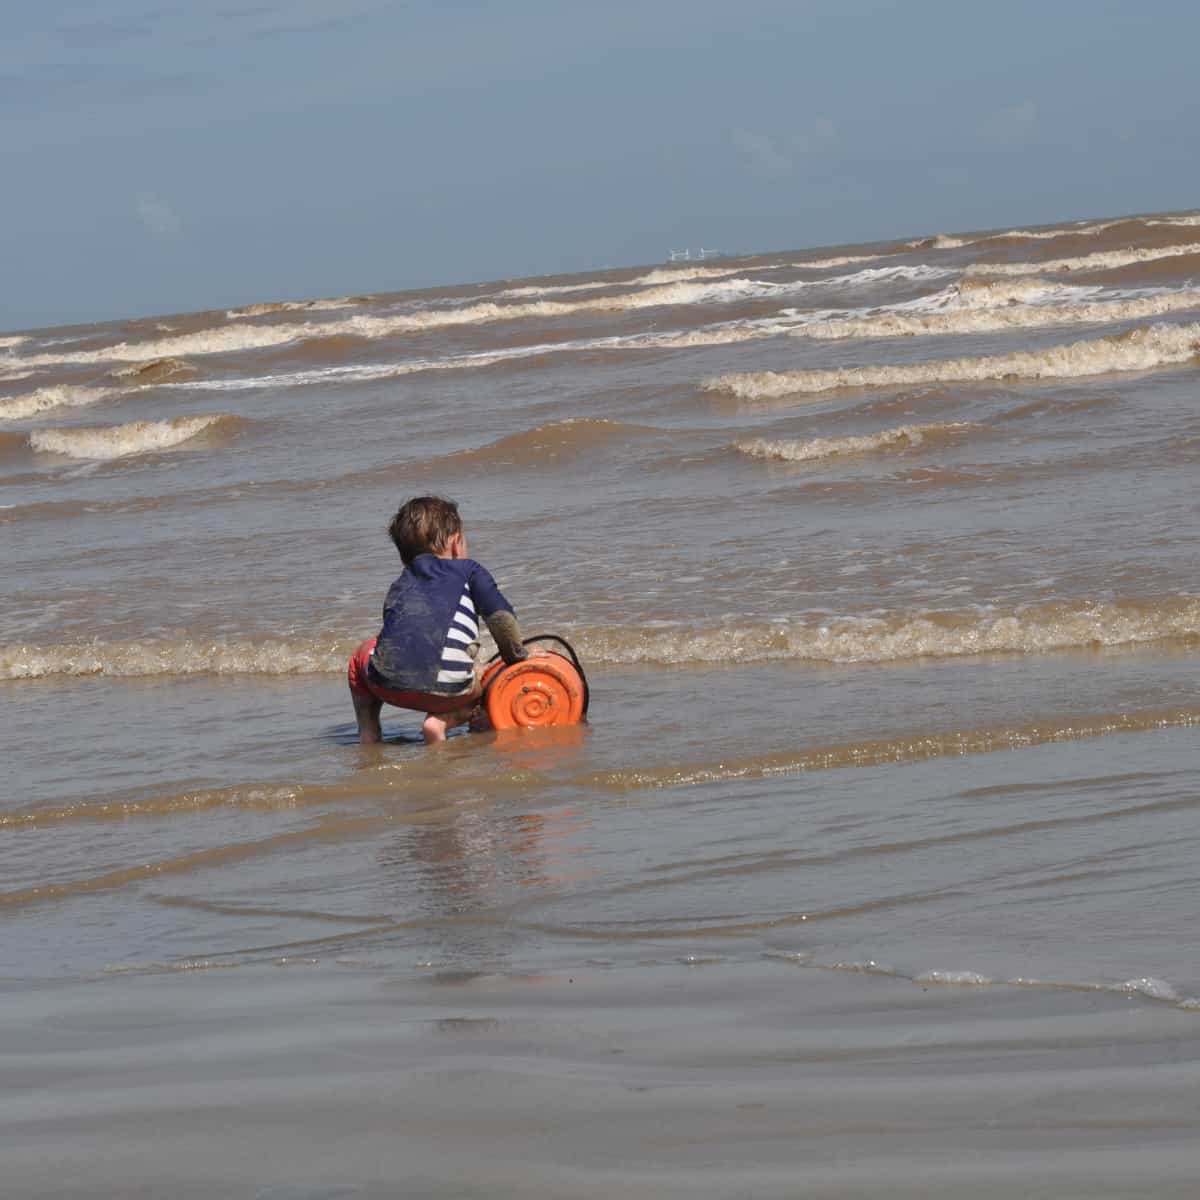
[(367, 706), (434, 727), (366, 713)]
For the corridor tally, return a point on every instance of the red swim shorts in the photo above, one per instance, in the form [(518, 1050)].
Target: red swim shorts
[(426, 702)]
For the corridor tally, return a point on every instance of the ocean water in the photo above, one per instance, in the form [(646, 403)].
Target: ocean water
[(872, 871)]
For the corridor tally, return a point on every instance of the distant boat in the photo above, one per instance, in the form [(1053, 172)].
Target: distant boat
[(699, 256)]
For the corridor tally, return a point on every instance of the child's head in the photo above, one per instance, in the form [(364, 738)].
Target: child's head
[(425, 525)]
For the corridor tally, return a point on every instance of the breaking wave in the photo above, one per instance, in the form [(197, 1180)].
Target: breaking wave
[(224, 340), (991, 293), (659, 276), (232, 338), (903, 437), (558, 289), (155, 371), (276, 306), (938, 241), (975, 306), (718, 334), (1141, 349), (1102, 260), (944, 241), (120, 441), (181, 656), (920, 273), (59, 395), (1031, 629), (840, 260), (1000, 316)]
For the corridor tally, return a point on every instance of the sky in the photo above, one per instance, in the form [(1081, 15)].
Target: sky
[(191, 154)]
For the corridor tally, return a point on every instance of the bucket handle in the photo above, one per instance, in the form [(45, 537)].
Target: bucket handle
[(549, 637)]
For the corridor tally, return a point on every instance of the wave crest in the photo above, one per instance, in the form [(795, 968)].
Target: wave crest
[(1141, 349), (59, 395), (275, 306), (902, 437), (1102, 260), (180, 656), (1031, 629), (120, 441), (943, 241), (976, 317), (155, 371), (231, 338)]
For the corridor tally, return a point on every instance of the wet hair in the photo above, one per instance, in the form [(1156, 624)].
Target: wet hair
[(423, 525)]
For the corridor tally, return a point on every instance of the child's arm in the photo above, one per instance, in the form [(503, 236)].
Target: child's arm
[(498, 613), (504, 628)]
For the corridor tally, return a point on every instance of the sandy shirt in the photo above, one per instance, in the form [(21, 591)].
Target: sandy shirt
[(430, 635)]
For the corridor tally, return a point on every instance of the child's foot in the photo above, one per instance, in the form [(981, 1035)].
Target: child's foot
[(433, 729)]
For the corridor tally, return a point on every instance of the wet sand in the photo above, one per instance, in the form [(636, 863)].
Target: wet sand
[(306, 1082)]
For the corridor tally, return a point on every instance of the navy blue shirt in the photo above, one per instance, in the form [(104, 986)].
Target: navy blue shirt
[(430, 635)]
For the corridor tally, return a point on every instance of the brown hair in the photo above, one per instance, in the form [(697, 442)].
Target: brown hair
[(423, 525)]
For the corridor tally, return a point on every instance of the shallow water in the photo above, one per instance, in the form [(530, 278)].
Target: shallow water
[(874, 865)]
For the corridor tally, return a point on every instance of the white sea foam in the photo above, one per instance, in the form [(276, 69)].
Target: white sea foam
[(866, 966), (993, 293), (120, 441), (938, 241), (1036, 235), (179, 656), (1102, 260), (226, 339), (59, 395), (11, 340), (1192, 219), (661, 275), (234, 337), (975, 318), (274, 306), (1142, 349), (953, 978), (907, 318), (1149, 986), (676, 274), (722, 333), (918, 273), (1082, 229), (820, 264), (558, 289), (1031, 630), (902, 437), (668, 275), (943, 241)]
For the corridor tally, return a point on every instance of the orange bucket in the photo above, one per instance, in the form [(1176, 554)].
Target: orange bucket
[(546, 689)]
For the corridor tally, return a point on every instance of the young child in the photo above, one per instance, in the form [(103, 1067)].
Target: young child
[(424, 656)]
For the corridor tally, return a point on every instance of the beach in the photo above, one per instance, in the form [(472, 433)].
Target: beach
[(872, 870)]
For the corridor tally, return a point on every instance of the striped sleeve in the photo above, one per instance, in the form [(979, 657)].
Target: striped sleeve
[(457, 665)]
